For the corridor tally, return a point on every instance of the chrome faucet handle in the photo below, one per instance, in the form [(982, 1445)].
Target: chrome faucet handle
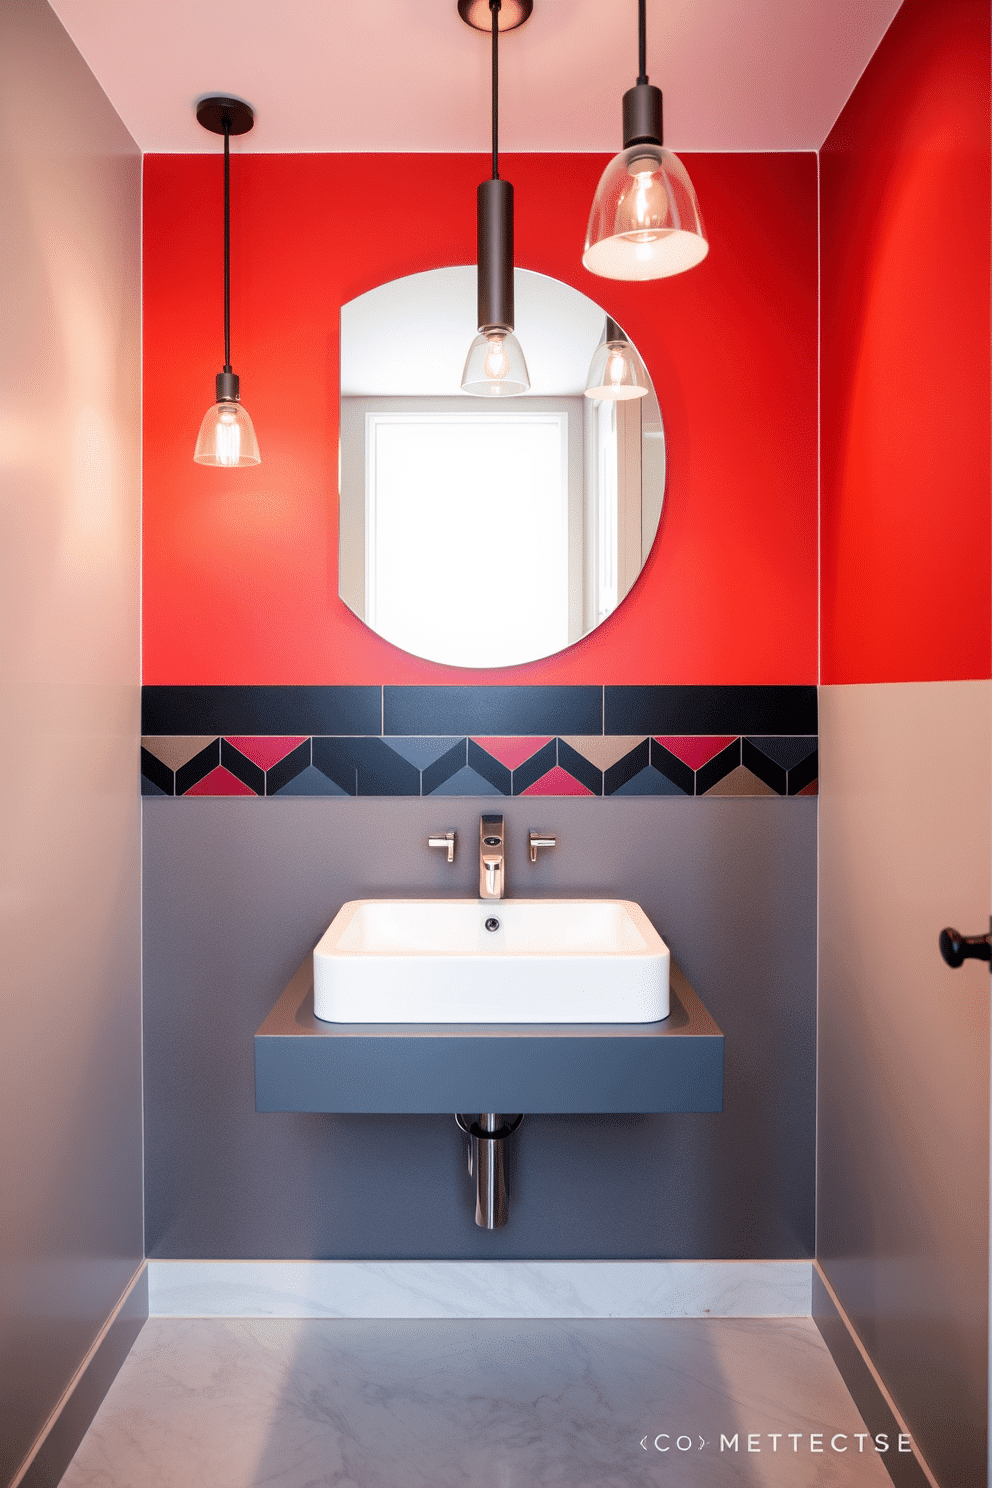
[(447, 840), (539, 839)]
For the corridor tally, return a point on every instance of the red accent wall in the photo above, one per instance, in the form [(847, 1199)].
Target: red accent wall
[(240, 578), (905, 506)]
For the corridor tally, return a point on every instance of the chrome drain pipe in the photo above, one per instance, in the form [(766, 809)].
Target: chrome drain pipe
[(487, 1165)]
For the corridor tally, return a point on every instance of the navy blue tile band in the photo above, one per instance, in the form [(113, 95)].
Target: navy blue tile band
[(261, 710), (709, 710), (485, 711), (492, 710)]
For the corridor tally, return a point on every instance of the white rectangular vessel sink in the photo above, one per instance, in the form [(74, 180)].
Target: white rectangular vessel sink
[(539, 961)]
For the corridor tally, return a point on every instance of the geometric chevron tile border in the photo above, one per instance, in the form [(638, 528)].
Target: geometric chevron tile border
[(374, 766), (475, 741)]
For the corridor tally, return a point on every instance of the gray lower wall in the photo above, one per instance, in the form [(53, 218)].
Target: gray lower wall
[(903, 1069), (70, 1075), (237, 893)]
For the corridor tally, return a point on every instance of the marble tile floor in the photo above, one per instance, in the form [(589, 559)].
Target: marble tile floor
[(347, 1403)]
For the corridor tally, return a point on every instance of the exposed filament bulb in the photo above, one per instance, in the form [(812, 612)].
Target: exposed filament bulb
[(649, 207), (497, 363)]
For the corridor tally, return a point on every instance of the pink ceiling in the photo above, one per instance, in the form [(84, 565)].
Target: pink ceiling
[(409, 75)]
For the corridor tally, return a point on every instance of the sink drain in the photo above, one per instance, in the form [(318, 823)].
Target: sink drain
[(492, 923)]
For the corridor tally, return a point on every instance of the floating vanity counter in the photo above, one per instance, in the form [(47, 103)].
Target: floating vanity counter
[(304, 1064)]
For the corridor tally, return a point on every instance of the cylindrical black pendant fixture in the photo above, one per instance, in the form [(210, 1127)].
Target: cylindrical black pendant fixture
[(494, 204), (495, 365), (228, 386), (642, 115)]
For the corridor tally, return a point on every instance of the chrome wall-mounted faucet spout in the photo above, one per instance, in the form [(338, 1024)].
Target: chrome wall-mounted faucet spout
[(491, 871)]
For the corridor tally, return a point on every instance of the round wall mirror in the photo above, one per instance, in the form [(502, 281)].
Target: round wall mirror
[(487, 531)]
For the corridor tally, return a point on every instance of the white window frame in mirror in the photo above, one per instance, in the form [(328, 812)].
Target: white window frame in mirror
[(614, 541)]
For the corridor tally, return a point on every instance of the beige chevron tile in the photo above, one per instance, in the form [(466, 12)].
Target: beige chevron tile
[(175, 749), (740, 782), (603, 750)]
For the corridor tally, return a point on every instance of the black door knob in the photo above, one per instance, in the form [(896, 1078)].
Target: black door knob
[(957, 948)]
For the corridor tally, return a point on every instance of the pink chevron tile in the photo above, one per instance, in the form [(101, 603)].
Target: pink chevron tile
[(557, 782), (695, 749), (264, 750), (220, 782), (512, 752)]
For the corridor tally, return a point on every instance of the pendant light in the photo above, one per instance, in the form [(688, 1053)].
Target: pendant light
[(645, 221), (226, 434), (616, 371), (495, 366)]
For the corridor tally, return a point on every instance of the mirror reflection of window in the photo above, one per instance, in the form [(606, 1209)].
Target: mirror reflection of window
[(536, 528), (494, 485)]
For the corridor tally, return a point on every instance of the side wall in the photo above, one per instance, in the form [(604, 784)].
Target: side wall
[(903, 1048), (70, 1098), (903, 1076)]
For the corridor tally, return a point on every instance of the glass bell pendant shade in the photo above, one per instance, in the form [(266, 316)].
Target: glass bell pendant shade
[(645, 221), (495, 366), (616, 372), (226, 436)]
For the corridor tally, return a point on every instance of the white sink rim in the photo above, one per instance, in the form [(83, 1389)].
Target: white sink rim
[(507, 976)]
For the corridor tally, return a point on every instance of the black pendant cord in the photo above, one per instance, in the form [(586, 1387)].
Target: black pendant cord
[(227, 245), (494, 6), (226, 116), (642, 41)]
